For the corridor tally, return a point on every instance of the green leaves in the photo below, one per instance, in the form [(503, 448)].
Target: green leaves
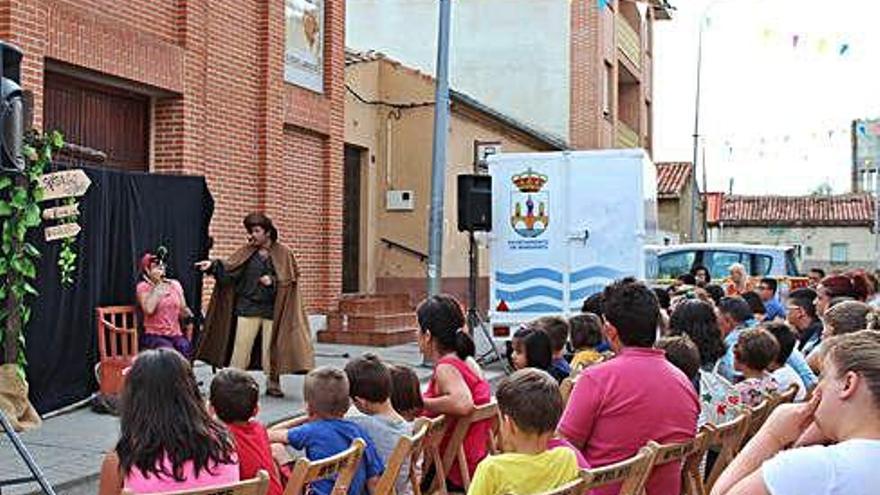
[(5, 182)]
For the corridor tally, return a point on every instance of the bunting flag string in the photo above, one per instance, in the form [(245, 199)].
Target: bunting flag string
[(821, 44)]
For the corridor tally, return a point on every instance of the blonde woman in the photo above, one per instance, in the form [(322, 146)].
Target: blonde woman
[(739, 282)]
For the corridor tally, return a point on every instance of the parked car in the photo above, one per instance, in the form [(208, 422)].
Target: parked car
[(667, 262)]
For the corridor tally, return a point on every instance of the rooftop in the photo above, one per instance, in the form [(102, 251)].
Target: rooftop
[(791, 211), (672, 177)]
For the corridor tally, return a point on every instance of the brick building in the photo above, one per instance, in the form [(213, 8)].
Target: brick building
[(579, 69), (830, 232), (248, 93)]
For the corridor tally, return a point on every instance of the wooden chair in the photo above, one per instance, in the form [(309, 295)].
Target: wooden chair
[(576, 487), (254, 486), (342, 465), (787, 397), (290, 423), (631, 473), (727, 438), (429, 456), (455, 448), (117, 345), (690, 455), (565, 388), (759, 415), (402, 452)]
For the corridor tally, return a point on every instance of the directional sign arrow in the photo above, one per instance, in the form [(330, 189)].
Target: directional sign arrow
[(64, 184), (62, 231), (61, 212)]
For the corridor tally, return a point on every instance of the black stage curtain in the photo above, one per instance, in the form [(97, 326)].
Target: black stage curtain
[(123, 215)]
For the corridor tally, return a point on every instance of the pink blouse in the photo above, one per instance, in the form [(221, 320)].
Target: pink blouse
[(221, 474)]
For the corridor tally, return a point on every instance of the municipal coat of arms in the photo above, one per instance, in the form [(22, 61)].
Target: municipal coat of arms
[(529, 205)]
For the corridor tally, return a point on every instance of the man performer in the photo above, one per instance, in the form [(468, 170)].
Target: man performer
[(257, 296)]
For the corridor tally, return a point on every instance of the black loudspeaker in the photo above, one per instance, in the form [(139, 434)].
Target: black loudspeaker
[(474, 203)]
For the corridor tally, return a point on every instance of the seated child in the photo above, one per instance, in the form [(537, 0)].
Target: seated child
[(369, 385), (234, 399), (527, 466), (530, 348), (753, 353), (406, 392), (784, 374), (557, 329), (325, 391), (586, 336), (684, 355)]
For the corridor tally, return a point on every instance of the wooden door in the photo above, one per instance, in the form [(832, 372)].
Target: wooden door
[(351, 220), (104, 118)]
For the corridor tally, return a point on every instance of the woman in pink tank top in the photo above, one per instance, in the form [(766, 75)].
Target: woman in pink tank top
[(168, 440), (457, 384)]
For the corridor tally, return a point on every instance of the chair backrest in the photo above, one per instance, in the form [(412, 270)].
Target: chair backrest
[(565, 388), (727, 439), (576, 487), (455, 447), (342, 465), (787, 397), (759, 414), (690, 454), (254, 486), (402, 452), (117, 332), (631, 473), (429, 455)]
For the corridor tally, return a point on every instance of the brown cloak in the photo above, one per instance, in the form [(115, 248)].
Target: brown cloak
[(291, 348)]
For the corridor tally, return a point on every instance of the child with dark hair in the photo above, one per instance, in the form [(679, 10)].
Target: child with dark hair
[(684, 355), (168, 440), (753, 354), (531, 348), (527, 465), (586, 336), (326, 434), (557, 329), (370, 389), (755, 304), (783, 373), (406, 392), (234, 399)]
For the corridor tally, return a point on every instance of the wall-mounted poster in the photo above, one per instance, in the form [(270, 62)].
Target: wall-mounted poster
[(304, 43)]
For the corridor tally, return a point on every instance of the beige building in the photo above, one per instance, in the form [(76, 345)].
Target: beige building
[(580, 69), (829, 232), (675, 199), (389, 116)]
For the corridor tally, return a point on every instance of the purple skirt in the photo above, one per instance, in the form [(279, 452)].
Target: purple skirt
[(176, 342)]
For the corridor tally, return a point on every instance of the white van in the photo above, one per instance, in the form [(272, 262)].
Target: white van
[(668, 262)]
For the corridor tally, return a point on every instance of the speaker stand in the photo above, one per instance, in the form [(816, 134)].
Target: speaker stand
[(475, 319)]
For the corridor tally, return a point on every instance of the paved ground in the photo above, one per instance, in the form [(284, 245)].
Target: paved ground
[(69, 447)]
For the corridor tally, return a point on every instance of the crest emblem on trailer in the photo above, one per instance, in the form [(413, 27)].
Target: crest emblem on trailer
[(529, 205)]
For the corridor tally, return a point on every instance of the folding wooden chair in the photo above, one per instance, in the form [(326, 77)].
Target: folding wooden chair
[(690, 455), (402, 452), (455, 448), (253, 486), (631, 473), (342, 465), (787, 397), (117, 345), (576, 487), (428, 456), (727, 438), (759, 415)]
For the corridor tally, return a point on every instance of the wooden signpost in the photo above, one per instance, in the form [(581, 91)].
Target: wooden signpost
[(61, 185)]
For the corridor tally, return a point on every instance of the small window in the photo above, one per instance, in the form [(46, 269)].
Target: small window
[(674, 264), (762, 265), (608, 94), (839, 253)]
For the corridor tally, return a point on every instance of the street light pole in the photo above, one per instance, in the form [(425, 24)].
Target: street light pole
[(695, 185), (438, 161)]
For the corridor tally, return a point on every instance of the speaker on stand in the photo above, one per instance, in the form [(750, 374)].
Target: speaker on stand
[(475, 215)]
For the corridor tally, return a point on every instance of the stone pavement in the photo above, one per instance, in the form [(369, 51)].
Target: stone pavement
[(69, 448)]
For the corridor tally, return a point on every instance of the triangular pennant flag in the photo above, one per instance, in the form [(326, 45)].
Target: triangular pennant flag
[(822, 45), (794, 40), (601, 4), (843, 48)]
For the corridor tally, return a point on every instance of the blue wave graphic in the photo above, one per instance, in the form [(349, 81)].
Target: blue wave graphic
[(584, 292), (538, 308), (525, 276), (595, 272), (519, 295)]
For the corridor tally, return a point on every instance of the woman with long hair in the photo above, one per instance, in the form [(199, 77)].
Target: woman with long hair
[(168, 440), (836, 435), (697, 320), (457, 385)]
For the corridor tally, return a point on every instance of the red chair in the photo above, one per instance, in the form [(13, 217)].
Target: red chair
[(117, 345)]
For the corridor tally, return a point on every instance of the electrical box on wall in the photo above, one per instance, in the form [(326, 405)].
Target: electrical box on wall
[(399, 200)]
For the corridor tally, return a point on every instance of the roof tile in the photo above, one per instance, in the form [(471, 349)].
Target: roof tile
[(837, 210), (672, 177)]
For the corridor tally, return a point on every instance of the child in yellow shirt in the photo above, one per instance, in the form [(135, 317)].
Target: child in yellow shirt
[(586, 336), (527, 466)]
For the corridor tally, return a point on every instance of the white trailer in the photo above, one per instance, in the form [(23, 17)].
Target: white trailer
[(564, 225)]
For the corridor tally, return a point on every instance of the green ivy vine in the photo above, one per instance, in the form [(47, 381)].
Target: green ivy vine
[(20, 212), (67, 254)]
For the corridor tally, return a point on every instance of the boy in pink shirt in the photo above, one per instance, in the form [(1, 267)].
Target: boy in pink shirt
[(617, 406)]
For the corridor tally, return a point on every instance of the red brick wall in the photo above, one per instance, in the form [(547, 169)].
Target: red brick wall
[(224, 110)]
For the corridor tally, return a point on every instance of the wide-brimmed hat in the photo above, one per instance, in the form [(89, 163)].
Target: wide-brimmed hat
[(257, 219)]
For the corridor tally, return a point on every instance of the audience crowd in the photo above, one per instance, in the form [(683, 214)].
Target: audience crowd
[(640, 366)]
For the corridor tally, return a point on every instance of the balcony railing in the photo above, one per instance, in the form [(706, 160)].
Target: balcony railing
[(628, 42), (626, 137)]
